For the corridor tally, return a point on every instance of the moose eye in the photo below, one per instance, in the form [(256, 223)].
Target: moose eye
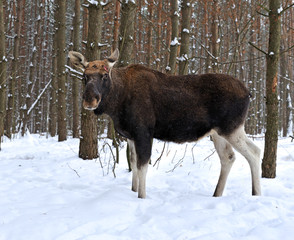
[(94, 66)]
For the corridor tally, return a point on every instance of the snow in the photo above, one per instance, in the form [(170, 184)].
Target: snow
[(47, 192), (174, 42), (280, 9), (185, 30), (183, 58), (94, 2), (167, 68)]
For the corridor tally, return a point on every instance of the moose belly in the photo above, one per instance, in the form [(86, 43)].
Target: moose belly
[(181, 130)]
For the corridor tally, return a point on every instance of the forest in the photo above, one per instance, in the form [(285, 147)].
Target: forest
[(41, 93), (47, 191)]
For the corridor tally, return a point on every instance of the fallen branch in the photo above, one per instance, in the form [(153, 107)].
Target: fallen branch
[(73, 170), (38, 98)]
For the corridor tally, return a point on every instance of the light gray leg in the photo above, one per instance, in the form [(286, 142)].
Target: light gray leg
[(133, 155), (142, 172), (227, 158), (251, 152)]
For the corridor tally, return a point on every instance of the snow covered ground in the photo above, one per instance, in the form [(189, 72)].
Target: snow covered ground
[(47, 192)]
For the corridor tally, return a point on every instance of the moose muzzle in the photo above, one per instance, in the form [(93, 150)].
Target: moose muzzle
[(91, 96)]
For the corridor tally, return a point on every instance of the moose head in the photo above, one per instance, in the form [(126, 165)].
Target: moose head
[(96, 77)]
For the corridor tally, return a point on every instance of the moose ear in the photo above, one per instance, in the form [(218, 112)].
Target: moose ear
[(78, 60), (111, 60)]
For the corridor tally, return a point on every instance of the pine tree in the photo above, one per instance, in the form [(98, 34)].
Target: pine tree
[(61, 56), (89, 122)]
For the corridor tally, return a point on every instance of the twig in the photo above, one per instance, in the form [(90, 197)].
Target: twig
[(193, 153), (38, 98), (292, 138), (287, 49), (286, 8), (158, 159), (179, 162), (257, 48), (209, 155), (113, 168), (73, 170), (101, 166)]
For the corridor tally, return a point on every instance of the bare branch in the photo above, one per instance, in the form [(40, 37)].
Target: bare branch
[(287, 49), (158, 159), (38, 98), (257, 48), (286, 8)]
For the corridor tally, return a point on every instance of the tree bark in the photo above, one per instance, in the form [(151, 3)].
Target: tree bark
[(272, 59), (174, 37), (126, 33), (149, 34), (116, 26), (10, 116), (54, 87), (76, 83), (215, 37), (61, 78), (185, 37), (89, 122), (2, 72)]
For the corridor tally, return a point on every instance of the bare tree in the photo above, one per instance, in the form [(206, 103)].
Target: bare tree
[(272, 57), (126, 32), (185, 37), (174, 37), (89, 122), (61, 57), (2, 72), (75, 84), (10, 116)]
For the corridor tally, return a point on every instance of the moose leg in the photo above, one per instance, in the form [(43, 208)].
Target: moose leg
[(142, 172), (227, 158), (143, 150), (133, 155), (251, 152)]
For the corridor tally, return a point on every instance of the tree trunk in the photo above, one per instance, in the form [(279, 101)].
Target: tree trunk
[(215, 37), (61, 78), (149, 34), (174, 37), (284, 93), (126, 33), (53, 91), (126, 42), (159, 35), (10, 114), (76, 83), (2, 72), (185, 37), (116, 26), (89, 122), (271, 135)]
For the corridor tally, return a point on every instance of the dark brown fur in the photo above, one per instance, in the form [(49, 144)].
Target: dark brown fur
[(146, 104)]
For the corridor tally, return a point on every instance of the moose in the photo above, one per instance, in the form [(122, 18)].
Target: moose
[(145, 104)]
